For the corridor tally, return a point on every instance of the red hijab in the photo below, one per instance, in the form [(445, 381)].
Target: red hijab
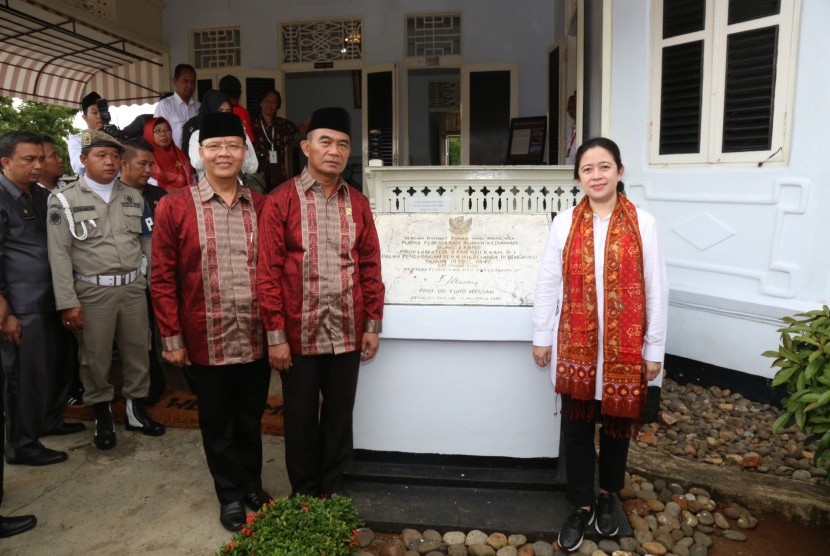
[(172, 169)]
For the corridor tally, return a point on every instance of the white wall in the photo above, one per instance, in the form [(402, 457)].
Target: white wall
[(493, 31), (766, 226)]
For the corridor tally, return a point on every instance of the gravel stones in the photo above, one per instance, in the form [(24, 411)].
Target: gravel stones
[(475, 537), (720, 427), (541, 548), (517, 540), (365, 536), (454, 537), (497, 540), (480, 550), (733, 535)]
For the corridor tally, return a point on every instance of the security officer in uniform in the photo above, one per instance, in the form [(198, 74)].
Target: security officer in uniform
[(95, 251)]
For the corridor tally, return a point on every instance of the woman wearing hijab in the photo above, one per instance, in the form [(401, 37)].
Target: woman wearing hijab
[(213, 102), (171, 169)]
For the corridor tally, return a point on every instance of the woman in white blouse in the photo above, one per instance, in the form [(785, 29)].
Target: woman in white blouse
[(599, 319)]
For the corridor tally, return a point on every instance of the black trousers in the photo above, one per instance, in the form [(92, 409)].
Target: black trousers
[(581, 460), (37, 382), (318, 439), (157, 379), (231, 401)]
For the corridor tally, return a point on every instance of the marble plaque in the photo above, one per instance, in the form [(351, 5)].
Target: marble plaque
[(461, 259)]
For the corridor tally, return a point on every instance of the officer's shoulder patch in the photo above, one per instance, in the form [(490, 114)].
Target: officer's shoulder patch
[(54, 216)]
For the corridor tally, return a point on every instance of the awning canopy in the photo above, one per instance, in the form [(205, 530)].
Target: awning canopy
[(55, 58)]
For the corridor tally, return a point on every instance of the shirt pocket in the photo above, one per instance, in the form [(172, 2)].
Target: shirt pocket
[(89, 218), (132, 219)]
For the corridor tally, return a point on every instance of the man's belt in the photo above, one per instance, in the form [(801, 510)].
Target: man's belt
[(109, 279)]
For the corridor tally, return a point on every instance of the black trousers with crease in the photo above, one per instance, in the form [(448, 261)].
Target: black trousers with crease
[(318, 438), (232, 400)]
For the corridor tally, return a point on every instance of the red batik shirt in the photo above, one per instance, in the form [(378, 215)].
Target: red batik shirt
[(319, 280), (203, 279)]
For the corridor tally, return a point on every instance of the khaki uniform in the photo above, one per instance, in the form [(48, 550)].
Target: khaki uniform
[(114, 305)]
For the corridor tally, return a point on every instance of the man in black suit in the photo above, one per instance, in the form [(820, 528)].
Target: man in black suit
[(9, 526), (37, 379)]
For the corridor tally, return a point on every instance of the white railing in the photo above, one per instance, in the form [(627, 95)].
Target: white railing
[(472, 189)]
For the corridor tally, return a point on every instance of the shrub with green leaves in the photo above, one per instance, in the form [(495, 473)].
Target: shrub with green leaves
[(299, 526), (803, 359)]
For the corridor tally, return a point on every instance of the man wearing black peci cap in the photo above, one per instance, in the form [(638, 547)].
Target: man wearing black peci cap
[(321, 297), (203, 290)]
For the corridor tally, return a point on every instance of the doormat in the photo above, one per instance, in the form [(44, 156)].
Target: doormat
[(179, 409)]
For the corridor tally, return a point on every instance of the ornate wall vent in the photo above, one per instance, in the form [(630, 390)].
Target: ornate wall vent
[(218, 47), (433, 35), (322, 41)]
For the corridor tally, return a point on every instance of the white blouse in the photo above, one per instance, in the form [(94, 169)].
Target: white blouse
[(546, 304)]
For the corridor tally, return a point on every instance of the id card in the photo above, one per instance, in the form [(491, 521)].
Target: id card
[(272, 157)]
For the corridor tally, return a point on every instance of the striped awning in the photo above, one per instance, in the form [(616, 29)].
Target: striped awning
[(51, 57)]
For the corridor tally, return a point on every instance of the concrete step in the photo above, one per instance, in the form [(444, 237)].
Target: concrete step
[(397, 491)]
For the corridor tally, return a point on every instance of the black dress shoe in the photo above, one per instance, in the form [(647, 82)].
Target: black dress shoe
[(138, 420), (257, 498), (65, 428), (11, 526), (104, 427), (46, 456), (232, 516)]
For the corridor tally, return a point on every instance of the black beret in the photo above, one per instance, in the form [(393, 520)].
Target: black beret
[(220, 124), (89, 100), (333, 117)]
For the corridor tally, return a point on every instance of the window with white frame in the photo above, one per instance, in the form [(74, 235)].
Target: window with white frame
[(723, 72)]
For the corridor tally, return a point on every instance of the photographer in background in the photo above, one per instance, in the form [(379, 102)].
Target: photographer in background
[(96, 114)]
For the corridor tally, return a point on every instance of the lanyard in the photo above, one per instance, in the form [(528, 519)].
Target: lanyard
[(265, 132)]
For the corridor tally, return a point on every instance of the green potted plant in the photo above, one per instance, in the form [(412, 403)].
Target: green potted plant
[(299, 526), (803, 361)]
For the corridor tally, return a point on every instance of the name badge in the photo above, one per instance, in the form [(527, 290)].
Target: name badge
[(272, 157)]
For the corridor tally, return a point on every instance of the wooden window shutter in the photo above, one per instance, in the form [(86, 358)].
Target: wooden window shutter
[(749, 92), (747, 10), (255, 89), (683, 16), (681, 98)]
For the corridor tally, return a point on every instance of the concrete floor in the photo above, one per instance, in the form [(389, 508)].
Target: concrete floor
[(146, 496)]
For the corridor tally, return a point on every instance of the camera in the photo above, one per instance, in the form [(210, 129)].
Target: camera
[(104, 110)]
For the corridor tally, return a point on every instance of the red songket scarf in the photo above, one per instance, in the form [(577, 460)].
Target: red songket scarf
[(171, 168), (623, 381)]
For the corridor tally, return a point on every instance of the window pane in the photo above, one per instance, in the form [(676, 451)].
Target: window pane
[(746, 10), (380, 110), (682, 16), (681, 98), (750, 85)]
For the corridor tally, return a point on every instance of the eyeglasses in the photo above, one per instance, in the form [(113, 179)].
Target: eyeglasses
[(162, 131), (216, 147)]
